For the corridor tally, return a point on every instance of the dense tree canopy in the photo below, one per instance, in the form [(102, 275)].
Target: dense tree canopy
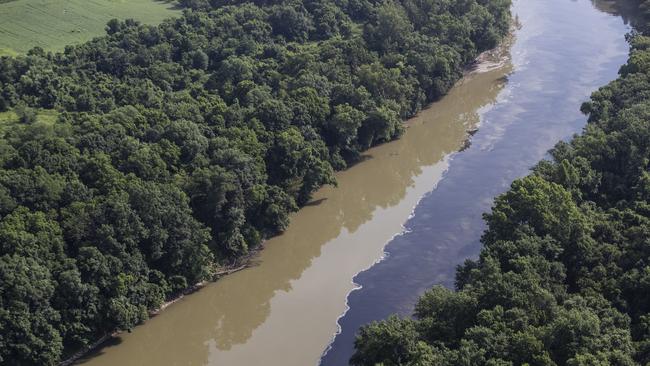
[(564, 275), (180, 147)]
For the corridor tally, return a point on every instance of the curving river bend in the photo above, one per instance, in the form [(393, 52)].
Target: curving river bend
[(284, 310)]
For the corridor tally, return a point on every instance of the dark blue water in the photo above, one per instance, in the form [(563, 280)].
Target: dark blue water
[(563, 51)]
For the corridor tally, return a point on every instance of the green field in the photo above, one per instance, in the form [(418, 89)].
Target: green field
[(47, 116), (53, 24)]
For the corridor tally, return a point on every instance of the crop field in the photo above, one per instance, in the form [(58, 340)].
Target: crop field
[(53, 24)]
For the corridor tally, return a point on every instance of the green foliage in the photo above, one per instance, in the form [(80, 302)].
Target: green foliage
[(391, 342), (563, 276), (137, 162)]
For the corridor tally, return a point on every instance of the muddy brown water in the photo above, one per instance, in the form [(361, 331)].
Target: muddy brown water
[(284, 310)]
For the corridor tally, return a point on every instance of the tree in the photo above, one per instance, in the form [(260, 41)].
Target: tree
[(390, 28), (562, 278), (145, 158), (25, 114)]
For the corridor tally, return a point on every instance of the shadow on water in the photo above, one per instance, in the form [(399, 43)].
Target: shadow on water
[(626, 9), (316, 202), (111, 342)]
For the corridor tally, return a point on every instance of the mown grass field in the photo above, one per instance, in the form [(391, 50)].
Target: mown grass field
[(53, 24)]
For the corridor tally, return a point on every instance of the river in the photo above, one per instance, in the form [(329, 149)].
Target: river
[(564, 50), (283, 311)]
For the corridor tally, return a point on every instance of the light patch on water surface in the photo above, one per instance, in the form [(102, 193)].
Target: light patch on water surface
[(563, 51)]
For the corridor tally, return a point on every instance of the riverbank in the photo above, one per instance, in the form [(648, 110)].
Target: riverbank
[(490, 59), (562, 274), (238, 315), (184, 144), (241, 264), (562, 52), (497, 56)]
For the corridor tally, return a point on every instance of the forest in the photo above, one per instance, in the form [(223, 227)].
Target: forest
[(139, 163), (564, 274)]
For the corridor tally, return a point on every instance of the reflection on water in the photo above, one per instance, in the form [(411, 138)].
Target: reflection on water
[(564, 50), (626, 9), (283, 311)]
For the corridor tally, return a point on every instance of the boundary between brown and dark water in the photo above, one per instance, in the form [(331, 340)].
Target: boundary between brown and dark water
[(486, 61), (560, 59)]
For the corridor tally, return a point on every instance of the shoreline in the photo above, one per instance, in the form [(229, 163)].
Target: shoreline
[(495, 57), (239, 265), (484, 62)]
